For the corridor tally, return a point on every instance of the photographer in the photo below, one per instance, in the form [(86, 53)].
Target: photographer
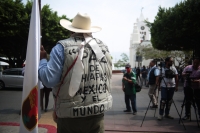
[(153, 81), (168, 85), (191, 86)]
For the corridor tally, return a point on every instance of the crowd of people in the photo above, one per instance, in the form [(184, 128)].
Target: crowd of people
[(164, 79)]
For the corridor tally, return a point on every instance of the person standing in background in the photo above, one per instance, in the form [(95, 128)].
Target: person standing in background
[(153, 81), (144, 76), (168, 85), (128, 81), (44, 94)]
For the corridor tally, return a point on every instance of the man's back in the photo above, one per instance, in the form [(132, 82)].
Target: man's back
[(94, 90), (80, 70)]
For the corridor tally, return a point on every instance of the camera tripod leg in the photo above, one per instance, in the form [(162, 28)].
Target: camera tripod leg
[(178, 113), (182, 110), (190, 113), (148, 106), (157, 104), (146, 112), (193, 104)]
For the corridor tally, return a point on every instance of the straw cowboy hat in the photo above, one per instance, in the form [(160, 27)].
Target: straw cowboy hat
[(80, 24)]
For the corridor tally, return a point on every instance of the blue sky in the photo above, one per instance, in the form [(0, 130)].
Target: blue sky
[(116, 17)]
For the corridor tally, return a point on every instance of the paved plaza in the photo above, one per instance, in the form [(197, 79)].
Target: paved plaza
[(116, 121)]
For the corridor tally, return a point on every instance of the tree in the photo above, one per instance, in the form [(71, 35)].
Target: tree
[(119, 63), (122, 62), (181, 57), (148, 52), (14, 23), (13, 33), (51, 28), (177, 28), (124, 57)]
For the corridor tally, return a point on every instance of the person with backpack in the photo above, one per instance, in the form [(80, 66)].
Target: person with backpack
[(153, 81), (128, 82)]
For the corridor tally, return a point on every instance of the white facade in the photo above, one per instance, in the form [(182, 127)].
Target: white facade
[(140, 36)]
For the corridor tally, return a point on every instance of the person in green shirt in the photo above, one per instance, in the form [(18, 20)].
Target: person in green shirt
[(128, 81)]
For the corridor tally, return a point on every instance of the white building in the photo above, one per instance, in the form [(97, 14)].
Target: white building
[(140, 36)]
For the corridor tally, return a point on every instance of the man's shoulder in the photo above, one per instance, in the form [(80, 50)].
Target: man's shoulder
[(155, 68), (172, 68), (100, 43), (132, 73), (189, 67), (66, 42)]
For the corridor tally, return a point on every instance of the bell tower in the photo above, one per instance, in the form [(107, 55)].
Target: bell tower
[(141, 33)]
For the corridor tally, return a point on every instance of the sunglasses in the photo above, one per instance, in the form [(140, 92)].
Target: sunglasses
[(127, 67)]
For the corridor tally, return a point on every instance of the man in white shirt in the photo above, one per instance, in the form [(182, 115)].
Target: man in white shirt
[(168, 85)]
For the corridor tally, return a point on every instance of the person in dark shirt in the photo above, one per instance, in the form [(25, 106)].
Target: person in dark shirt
[(138, 73), (144, 76), (191, 87)]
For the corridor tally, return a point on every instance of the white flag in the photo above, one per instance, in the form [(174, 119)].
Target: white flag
[(29, 109)]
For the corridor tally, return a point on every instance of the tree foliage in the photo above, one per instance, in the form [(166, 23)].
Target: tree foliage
[(181, 57), (122, 62), (14, 23), (13, 33), (124, 57), (177, 28), (119, 63)]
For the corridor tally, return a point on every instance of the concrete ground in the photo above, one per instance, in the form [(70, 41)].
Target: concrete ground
[(116, 121)]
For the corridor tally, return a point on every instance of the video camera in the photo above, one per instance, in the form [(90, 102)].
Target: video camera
[(169, 74), (162, 64), (188, 73)]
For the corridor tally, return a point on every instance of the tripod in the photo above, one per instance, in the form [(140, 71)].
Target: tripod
[(175, 105), (152, 98), (160, 79), (149, 105), (192, 100)]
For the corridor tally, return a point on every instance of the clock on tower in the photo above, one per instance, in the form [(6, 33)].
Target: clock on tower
[(142, 28)]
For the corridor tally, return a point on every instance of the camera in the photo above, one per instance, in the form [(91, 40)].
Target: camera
[(188, 72), (169, 74), (162, 64)]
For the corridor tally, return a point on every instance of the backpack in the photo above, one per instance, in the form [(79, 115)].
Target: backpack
[(138, 87)]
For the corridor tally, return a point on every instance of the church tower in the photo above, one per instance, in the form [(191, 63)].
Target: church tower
[(140, 36), (134, 41)]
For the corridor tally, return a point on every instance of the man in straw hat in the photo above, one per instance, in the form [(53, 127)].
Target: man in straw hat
[(80, 71)]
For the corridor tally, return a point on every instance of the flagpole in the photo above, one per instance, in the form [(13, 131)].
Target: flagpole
[(39, 1), (39, 82)]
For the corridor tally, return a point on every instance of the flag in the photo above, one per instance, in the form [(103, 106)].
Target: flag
[(29, 108)]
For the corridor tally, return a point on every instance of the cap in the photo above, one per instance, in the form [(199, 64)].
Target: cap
[(128, 65)]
